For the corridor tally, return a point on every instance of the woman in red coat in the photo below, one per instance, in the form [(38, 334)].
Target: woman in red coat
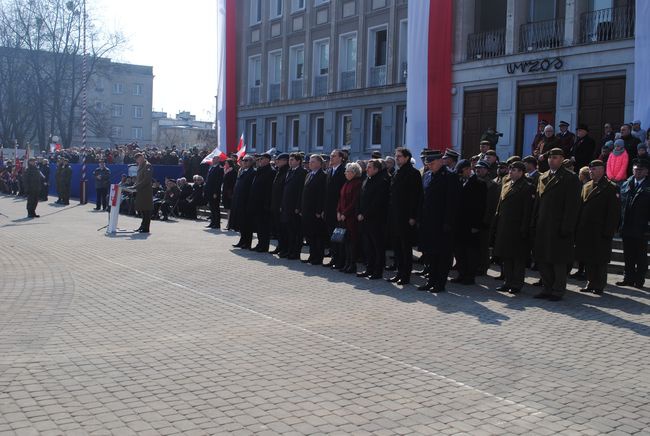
[(346, 214)]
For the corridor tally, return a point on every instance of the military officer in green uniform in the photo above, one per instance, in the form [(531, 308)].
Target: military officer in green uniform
[(32, 180), (143, 192), (64, 181)]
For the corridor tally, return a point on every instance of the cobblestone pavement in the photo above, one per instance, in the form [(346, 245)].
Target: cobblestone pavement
[(177, 333)]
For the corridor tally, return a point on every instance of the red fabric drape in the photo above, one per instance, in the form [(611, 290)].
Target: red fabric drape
[(232, 136), (439, 80)]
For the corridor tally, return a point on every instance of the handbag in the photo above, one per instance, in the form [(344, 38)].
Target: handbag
[(338, 235)]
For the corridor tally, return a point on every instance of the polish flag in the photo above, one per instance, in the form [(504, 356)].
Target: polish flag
[(241, 148), (215, 153), (428, 84), (641, 62), (227, 74)]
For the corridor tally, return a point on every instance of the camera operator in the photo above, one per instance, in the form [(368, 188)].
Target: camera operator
[(492, 136)]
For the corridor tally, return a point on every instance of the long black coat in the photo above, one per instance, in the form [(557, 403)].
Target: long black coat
[(335, 181), (439, 212), (277, 190), (312, 204), (555, 216), (373, 202), (240, 198), (228, 189), (636, 209), (600, 211), (259, 200), (213, 183), (471, 210), (405, 201), (32, 180), (583, 151), (292, 193), (512, 220)]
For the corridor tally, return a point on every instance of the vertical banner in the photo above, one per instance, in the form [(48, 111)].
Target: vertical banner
[(114, 200), (226, 75), (417, 78), (642, 63)]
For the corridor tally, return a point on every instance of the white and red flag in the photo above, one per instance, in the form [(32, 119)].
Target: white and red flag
[(428, 84), (642, 63), (215, 153), (226, 74), (241, 148)]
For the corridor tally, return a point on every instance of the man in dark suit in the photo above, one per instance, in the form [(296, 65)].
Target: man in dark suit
[(32, 180), (291, 231), (335, 181), (635, 198), (565, 139), (239, 219), (212, 192), (312, 210), (404, 209), (277, 191), (372, 218), (471, 213), (438, 217), (487, 229), (584, 147), (44, 168), (259, 202), (554, 222)]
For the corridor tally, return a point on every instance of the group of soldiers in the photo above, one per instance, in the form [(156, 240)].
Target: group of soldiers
[(473, 212)]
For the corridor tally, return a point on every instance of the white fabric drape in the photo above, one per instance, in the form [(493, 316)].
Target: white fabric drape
[(417, 79), (642, 63), (221, 75)]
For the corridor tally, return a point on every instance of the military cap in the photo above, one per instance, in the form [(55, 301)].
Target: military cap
[(641, 163), (282, 156), (583, 126), (529, 159), (596, 163), (490, 153), (248, 157), (502, 165), (564, 123), (432, 156), (485, 141), (556, 152), (450, 152), (482, 164), (425, 152), (375, 155), (462, 164), (512, 159), (542, 122), (636, 122), (518, 165), (265, 156)]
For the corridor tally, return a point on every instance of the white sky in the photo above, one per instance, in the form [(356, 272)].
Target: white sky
[(177, 38)]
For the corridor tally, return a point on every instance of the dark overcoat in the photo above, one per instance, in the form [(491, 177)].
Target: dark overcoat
[(277, 191), (240, 198), (213, 183), (229, 180), (600, 211), (313, 204), (292, 193), (335, 181), (439, 212), (636, 208), (405, 201), (259, 200), (512, 220), (555, 216), (471, 210), (143, 189), (583, 151)]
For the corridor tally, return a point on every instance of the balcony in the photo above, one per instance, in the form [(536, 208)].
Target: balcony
[(541, 35), (486, 44), (254, 95), (377, 76), (296, 88), (348, 80), (274, 92), (320, 85), (607, 24)]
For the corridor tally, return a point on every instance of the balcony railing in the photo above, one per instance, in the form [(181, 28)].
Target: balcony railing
[(403, 72), (320, 85), (378, 76), (296, 88), (254, 95), (541, 35), (274, 92), (607, 24), (486, 44), (348, 80)]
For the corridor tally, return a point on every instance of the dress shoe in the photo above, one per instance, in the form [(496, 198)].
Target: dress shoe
[(403, 282), (283, 255), (637, 285), (143, 231), (95, 208), (393, 279), (586, 290), (364, 274), (426, 287), (305, 260), (238, 245), (276, 251), (391, 268), (538, 283), (137, 230), (577, 275), (456, 280), (437, 290), (261, 249), (514, 291), (499, 277), (597, 291), (543, 296), (624, 283), (502, 289), (375, 277)]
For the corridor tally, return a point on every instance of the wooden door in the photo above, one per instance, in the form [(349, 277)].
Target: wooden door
[(479, 113), (601, 101), (538, 100)]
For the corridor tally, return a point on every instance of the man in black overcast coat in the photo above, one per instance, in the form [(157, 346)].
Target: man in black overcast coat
[(335, 181), (212, 192), (281, 166), (312, 210), (259, 202), (291, 231)]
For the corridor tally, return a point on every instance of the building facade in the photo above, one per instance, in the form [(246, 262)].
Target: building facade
[(320, 74), (183, 131)]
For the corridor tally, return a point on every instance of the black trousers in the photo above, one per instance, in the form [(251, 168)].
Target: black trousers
[(467, 255), (439, 267), (635, 254), (403, 254), (596, 276), (374, 246), (263, 228), (32, 202), (44, 192), (316, 249), (146, 220), (514, 271), (215, 211), (102, 198), (553, 277), (292, 234), (246, 232)]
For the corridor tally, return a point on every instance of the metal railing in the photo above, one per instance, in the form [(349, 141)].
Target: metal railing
[(254, 95), (541, 35), (486, 44), (320, 85), (378, 76), (296, 88), (348, 80), (403, 72), (274, 92), (607, 24)]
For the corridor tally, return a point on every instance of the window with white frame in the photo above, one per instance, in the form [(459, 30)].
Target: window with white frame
[(319, 131), (137, 89), (297, 62), (403, 51), (272, 134), (321, 66), (116, 131), (118, 88), (346, 130), (252, 135), (294, 137), (297, 5), (320, 2), (275, 10), (256, 12), (117, 110), (347, 61), (136, 133), (275, 74), (377, 56), (138, 111), (254, 79), (375, 127)]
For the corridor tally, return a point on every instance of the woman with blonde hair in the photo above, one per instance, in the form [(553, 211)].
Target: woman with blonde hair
[(346, 214)]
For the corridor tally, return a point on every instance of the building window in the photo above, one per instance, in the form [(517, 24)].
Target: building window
[(297, 68), (138, 112), (346, 130), (117, 110), (252, 135), (116, 131), (349, 9), (403, 51), (348, 61), (295, 134), (275, 74), (136, 133), (377, 51), (321, 66), (273, 134), (297, 5), (118, 88), (256, 12), (275, 10), (319, 131), (375, 129), (254, 79), (137, 89), (99, 106), (377, 4), (320, 2)]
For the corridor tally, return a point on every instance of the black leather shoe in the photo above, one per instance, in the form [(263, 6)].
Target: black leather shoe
[(637, 285), (393, 279), (375, 277), (143, 231), (543, 296), (586, 290), (538, 283), (624, 283), (363, 274), (403, 282), (283, 255), (456, 280), (502, 289), (238, 245), (276, 251), (426, 287), (514, 291), (305, 260), (597, 291), (577, 275)]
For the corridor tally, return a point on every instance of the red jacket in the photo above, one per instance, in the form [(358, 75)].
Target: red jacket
[(349, 205)]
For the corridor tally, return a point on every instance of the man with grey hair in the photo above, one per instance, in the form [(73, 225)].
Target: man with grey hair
[(312, 210)]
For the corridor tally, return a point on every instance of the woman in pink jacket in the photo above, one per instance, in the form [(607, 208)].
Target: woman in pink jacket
[(617, 162)]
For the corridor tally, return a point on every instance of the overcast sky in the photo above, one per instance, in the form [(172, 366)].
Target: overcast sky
[(177, 38)]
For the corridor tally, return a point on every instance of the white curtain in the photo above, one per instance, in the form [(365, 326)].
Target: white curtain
[(642, 63), (416, 82), (221, 75)]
